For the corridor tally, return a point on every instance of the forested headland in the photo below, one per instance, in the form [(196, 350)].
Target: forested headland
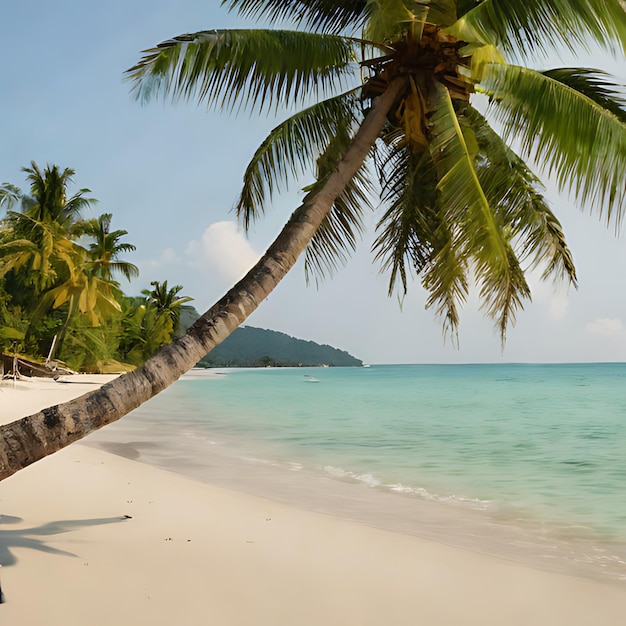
[(257, 347)]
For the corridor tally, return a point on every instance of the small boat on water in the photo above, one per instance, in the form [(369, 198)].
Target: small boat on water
[(310, 379)]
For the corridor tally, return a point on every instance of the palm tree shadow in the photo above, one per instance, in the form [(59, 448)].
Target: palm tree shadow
[(29, 537)]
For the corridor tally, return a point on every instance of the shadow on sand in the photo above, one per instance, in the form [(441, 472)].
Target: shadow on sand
[(31, 537)]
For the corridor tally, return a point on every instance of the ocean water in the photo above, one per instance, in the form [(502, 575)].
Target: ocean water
[(521, 461)]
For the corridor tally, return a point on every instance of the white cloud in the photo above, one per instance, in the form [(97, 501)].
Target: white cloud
[(223, 251), (605, 327)]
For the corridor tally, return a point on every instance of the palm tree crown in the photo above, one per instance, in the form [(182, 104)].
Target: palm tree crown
[(48, 201), (458, 204), (167, 301), (106, 248)]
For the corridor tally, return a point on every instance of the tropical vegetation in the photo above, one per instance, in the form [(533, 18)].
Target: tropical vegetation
[(385, 103), (59, 296)]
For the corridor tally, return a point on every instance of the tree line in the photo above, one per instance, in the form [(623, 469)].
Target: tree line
[(60, 295)]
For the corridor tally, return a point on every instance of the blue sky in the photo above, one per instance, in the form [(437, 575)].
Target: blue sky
[(171, 174)]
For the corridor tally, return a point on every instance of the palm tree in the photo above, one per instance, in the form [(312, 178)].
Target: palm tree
[(41, 232), (151, 322), (43, 258), (167, 302), (48, 201), (390, 83), (106, 248)]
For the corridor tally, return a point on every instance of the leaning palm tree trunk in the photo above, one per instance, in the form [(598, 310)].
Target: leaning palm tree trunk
[(32, 438)]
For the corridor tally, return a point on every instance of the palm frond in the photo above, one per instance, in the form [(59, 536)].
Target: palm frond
[(596, 85), (503, 294), (16, 253), (441, 12), (478, 234), (389, 20), (405, 232), (106, 269), (10, 195), (516, 195), (446, 280), (290, 149), (526, 27), (338, 234), (414, 234), (575, 139), (255, 69), (464, 6), (462, 196), (329, 16)]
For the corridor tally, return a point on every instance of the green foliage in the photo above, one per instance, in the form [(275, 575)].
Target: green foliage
[(167, 303), (40, 333), (578, 140), (13, 325), (144, 330), (290, 149), (258, 69), (105, 249), (459, 207), (319, 15), (57, 279), (85, 348), (526, 27)]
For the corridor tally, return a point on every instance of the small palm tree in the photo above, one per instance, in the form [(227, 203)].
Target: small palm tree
[(47, 201), (388, 86), (106, 248), (167, 303)]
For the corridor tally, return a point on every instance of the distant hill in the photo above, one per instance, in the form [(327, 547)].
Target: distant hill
[(257, 347)]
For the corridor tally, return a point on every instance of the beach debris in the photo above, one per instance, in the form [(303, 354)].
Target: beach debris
[(127, 517), (17, 366)]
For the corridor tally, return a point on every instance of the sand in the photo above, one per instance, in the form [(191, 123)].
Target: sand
[(87, 537)]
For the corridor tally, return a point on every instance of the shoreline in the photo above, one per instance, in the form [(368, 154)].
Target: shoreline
[(504, 534), (165, 433), (193, 553)]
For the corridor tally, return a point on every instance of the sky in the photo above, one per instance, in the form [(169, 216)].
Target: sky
[(170, 174)]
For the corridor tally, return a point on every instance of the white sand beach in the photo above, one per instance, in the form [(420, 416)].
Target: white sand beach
[(87, 537)]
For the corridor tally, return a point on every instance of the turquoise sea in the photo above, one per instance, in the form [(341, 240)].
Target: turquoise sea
[(526, 462)]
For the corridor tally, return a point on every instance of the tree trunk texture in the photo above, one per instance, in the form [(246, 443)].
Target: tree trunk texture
[(31, 438)]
